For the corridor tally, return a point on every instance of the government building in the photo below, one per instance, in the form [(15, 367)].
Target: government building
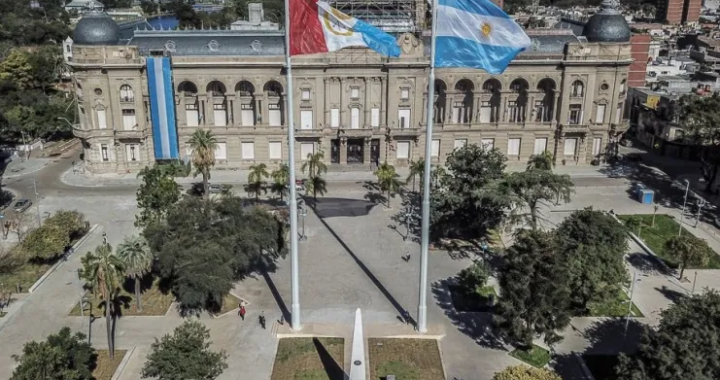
[(142, 93)]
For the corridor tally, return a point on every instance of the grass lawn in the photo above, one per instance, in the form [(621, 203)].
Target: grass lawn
[(602, 367), (230, 303), (655, 238), (536, 356), (482, 301), (309, 359), (407, 359), (25, 274), (2, 314), (617, 307), (105, 367), (154, 302)]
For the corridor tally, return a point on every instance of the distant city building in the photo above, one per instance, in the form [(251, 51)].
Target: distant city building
[(678, 11), (639, 49), (82, 6)]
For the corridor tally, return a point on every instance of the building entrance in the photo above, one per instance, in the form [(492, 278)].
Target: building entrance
[(355, 151)]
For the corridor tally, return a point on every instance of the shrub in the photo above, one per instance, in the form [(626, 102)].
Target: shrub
[(473, 277)]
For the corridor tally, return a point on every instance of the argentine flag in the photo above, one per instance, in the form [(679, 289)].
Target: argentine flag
[(477, 34)]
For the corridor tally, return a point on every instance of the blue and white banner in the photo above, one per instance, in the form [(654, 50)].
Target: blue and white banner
[(476, 34), (162, 108)]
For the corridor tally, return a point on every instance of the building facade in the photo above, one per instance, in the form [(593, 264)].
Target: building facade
[(678, 11), (564, 95)]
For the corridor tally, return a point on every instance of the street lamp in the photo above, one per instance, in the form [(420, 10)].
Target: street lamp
[(701, 204), (303, 214), (630, 303), (687, 188)]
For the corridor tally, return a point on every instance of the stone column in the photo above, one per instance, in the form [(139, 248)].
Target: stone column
[(502, 117), (475, 114), (343, 151), (368, 106), (366, 151), (528, 107), (203, 110), (343, 105), (258, 111), (326, 100), (555, 108), (423, 117), (181, 113), (237, 110), (383, 102)]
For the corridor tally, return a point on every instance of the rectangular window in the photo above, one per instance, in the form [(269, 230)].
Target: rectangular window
[(275, 150), (306, 149), (459, 143), (191, 114), (354, 93), (597, 146), (540, 145), (274, 115), (435, 148), (247, 115), (618, 114), (354, 118), (306, 119), (305, 94), (220, 115), (131, 152), (403, 150), (221, 151), (129, 122), (102, 119), (404, 118), (600, 114), (575, 114), (404, 93), (334, 117), (104, 152), (513, 147), (248, 150), (375, 117), (570, 146), (488, 144), (485, 112)]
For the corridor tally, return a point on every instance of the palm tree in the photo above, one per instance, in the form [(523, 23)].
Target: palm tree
[(103, 270), (542, 161), (203, 145), (135, 253), (314, 164), (256, 182), (281, 177), (417, 168), (688, 250), (388, 180), (316, 185)]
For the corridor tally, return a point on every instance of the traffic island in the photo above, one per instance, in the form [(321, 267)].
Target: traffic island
[(536, 356), (406, 359), (104, 366), (309, 359)]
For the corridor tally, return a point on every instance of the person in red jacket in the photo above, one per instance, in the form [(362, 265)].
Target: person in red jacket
[(242, 311)]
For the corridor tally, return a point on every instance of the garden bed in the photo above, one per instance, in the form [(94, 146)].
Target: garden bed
[(482, 301), (23, 272), (309, 359), (104, 366), (407, 359), (616, 307), (535, 356), (154, 303), (655, 237)]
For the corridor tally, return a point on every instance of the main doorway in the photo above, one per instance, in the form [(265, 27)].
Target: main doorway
[(355, 151)]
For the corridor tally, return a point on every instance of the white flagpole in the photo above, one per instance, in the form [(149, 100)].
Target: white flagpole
[(422, 304), (295, 313)]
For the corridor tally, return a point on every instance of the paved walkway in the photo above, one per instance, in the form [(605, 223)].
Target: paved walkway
[(18, 166)]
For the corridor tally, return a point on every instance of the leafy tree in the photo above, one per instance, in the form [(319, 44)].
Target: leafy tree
[(103, 270), (184, 355), (281, 179), (46, 242), (534, 290), (523, 372), (528, 190), (542, 161), (461, 205), (683, 346), (417, 168), (72, 223), (157, 194), (138, 259), (474, 277), (256, 180), (316, 185), (700, 120), (18, 69), (202, 248), (314, 164), (688, 250), (594, 245), (388, 180), (203, 145), (64, 356)]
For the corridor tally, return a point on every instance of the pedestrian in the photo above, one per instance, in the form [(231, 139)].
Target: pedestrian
[(242, 311), (406, 317), (261, 319), (282, 319), (105, 238)]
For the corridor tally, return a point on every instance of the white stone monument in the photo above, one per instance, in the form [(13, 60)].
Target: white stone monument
[(357, 365)]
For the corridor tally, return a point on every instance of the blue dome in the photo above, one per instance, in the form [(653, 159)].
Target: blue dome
[(96, 28), (608, 25)]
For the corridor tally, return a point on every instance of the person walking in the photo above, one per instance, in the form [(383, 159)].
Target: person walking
[(242, 312), (261, 319)]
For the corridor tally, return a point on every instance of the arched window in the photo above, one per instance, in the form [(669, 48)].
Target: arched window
[(517, 107), (246, 91), (216, 88), (490, 102), (578, 89), (126, 93), (275, 103), (463, 107), (544, 107), (187, 88), (440, 101), (219, 103)]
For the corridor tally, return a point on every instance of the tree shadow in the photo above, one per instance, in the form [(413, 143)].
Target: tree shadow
[(371, 186), (146, 282), (476, 325), (648, 264), (329, 207), (376, 198), (332, 369), (671, 294), (276, 295), (605, 337)]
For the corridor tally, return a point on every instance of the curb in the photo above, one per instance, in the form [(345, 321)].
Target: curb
[(62, 261), (644, 247), (122, 364)]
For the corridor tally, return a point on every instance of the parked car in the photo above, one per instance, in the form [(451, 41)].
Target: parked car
[(22, 205), (300, 184), (198, 188)]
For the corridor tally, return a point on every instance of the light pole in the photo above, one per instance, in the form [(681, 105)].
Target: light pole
[(630, 303), (682, 213), (694, 281), (303, 214), (701, 203), (37, 199), (27, 151), (82, 298)]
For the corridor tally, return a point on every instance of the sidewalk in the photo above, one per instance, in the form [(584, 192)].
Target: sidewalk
[(20, 167)]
